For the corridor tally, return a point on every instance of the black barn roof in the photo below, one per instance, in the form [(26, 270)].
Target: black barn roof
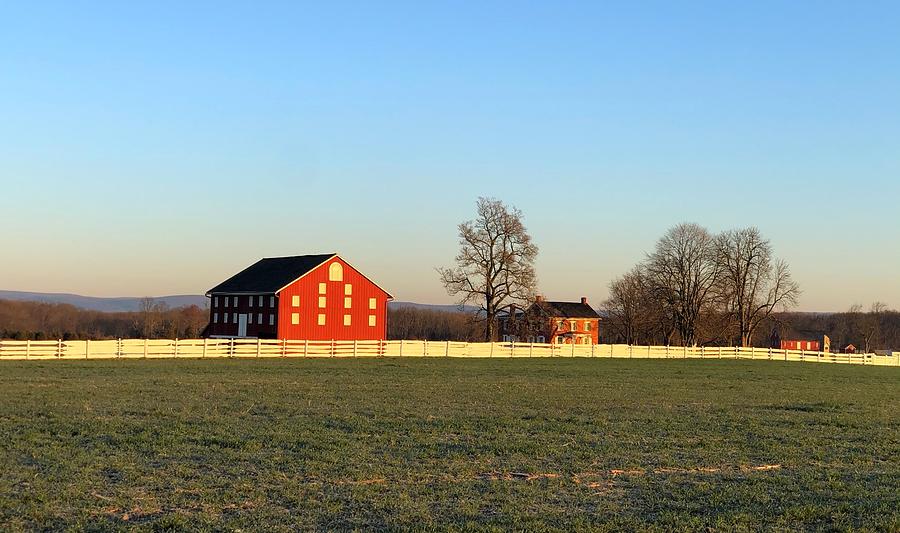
[(271, 274)]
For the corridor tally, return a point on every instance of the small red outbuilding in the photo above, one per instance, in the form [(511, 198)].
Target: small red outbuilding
[(304, 297)]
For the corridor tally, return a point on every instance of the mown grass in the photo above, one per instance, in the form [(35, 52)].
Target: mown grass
[(457, 444)]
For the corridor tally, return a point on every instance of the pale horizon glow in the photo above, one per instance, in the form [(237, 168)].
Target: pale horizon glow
[(158, 149)]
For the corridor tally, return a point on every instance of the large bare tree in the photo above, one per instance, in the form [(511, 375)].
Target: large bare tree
[(683, 272), (754, 283), (495, 263)]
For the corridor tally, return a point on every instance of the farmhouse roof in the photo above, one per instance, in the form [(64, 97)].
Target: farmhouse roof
[(567, 309), (271, 274)]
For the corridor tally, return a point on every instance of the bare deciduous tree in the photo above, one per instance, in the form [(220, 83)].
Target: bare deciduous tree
[(633, 314), (754, 283), (683, 272), (495, 263)]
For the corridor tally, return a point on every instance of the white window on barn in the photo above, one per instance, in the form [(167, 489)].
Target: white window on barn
[(249, 301), (348, 289), (271, 301), (346, 320), (348, 302), (335, 272), (226, 301), (235, 301), (259, 318), (322, 302), (295, 318), (224, 318), (271, 319), (295, 301), (321, 319), (216, 301), (371, 320), (250, 318), (322, 288), (215, 318), (259, 302), (234, 318), (372, 303)]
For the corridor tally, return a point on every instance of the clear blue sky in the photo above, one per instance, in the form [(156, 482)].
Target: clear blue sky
[(156, 148)]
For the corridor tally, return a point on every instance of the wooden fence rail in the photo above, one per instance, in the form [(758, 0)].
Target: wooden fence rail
[(252, 348)]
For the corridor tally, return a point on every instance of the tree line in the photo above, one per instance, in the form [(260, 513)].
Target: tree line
[(42, 321)]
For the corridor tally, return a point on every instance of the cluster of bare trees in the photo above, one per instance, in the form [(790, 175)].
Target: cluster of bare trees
[(699, 288), (39, 320), (434, 325)]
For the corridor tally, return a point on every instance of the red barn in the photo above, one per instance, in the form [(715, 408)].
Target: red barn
[(304, 297)]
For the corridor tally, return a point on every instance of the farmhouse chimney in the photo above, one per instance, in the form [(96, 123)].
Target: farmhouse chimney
[(584, 300), (538, 298)]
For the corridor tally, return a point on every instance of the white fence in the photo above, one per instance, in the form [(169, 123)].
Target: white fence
[(251, 348)]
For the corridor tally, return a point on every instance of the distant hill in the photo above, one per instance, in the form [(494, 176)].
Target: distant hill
[(110, 305), (124, 304), (447, 308)]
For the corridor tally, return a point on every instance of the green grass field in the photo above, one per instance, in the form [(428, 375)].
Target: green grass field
[(459, 444)]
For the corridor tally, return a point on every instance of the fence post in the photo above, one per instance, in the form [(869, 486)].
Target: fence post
[(145, 349), (231, 347), (648, 351), (354, 348), (258, 346), (283, 347), (401, 347), (491, 354), (87, 350), (205, 339), (512, 348), (306, 348), (175, 348), (447, 349), (720, 352), (59, 348), (333, 348), (531, 349), (630, 350), (425, 348)]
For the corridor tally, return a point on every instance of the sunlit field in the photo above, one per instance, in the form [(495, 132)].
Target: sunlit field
[(448, 443)]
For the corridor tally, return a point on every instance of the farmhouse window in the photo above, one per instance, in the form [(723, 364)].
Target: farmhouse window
[(234, 318), (321, 302), (348, 302), (216, 301), (346, 320), (259, 318), (271, 301), (271, 319), (335, 272), (250, 318), (295, 301), (372, 303), (348, 289), (540, 338), (215, 318), (371, 320), (260, 301), (587, 325), (249, 301), (295, 318), (226, 301), (321, 319)]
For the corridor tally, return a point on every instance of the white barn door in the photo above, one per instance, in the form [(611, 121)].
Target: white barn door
[(242, 326)]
